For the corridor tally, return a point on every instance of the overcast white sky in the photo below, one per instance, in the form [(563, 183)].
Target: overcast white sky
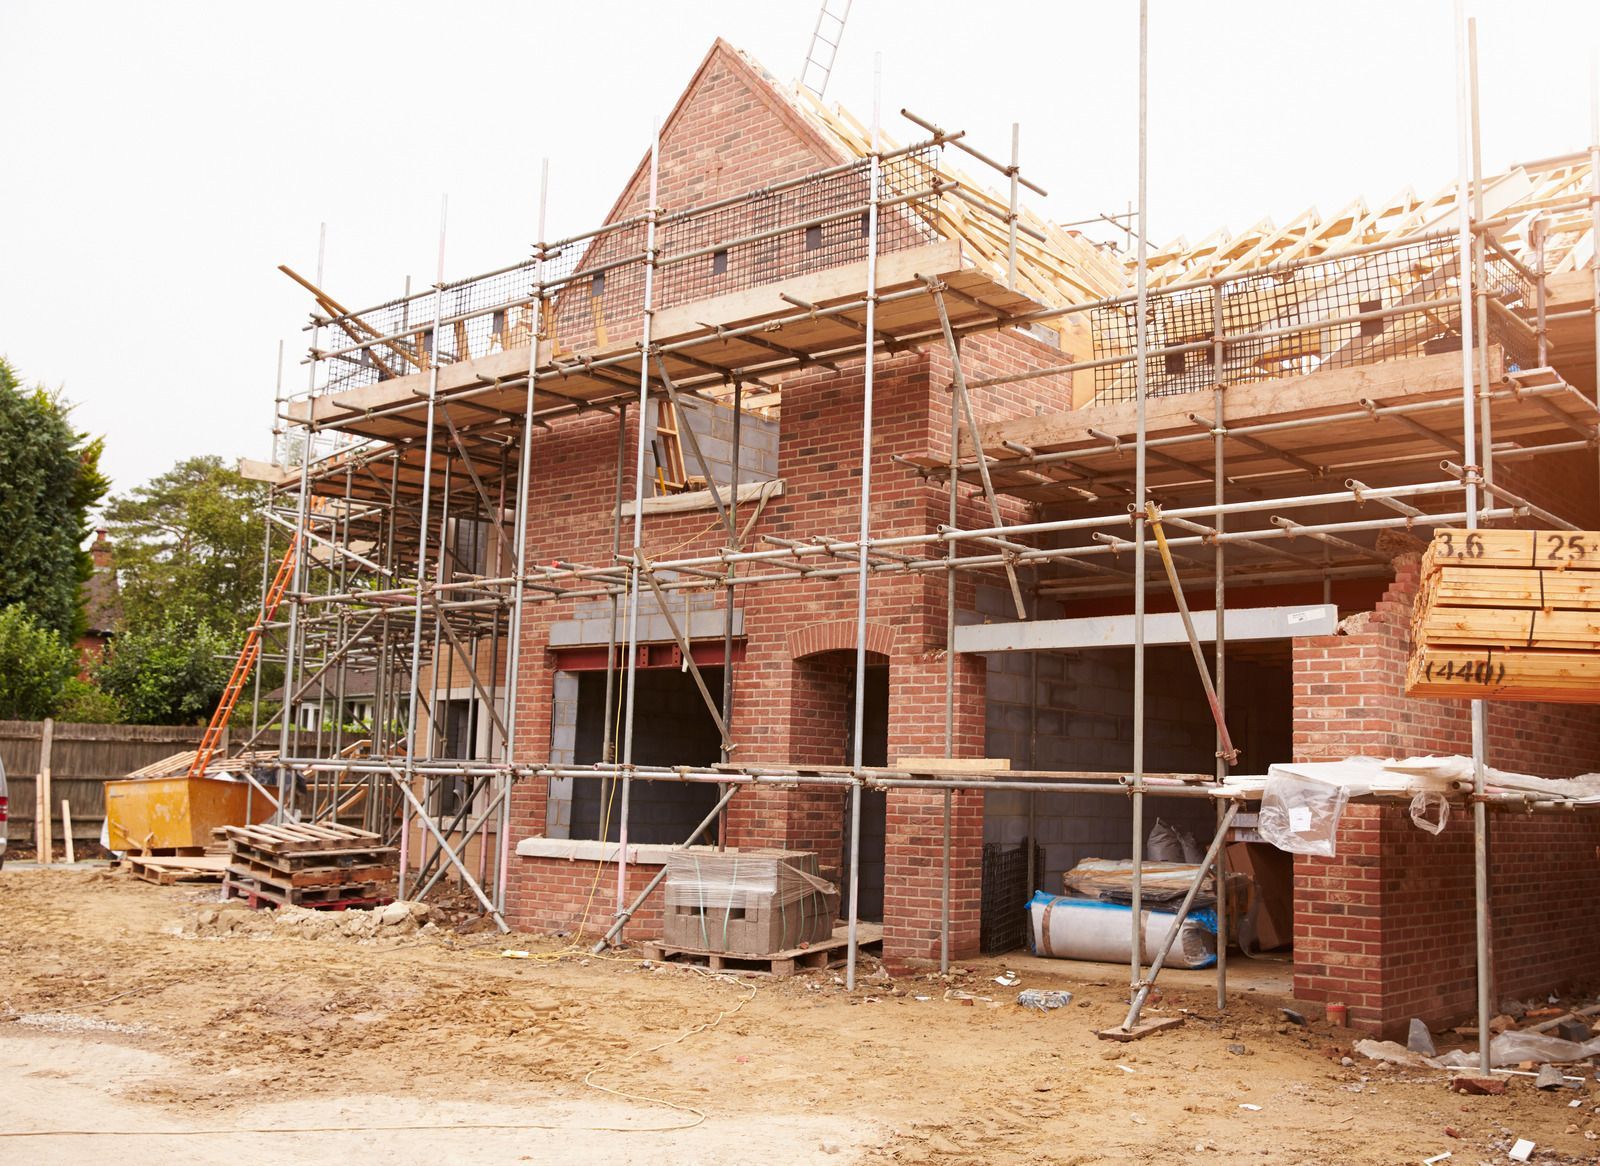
[(158, 160)]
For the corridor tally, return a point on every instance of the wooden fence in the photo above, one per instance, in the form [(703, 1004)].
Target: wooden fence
[(82, 759)]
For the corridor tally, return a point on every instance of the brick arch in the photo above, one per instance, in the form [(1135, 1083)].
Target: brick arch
[(833, 635)]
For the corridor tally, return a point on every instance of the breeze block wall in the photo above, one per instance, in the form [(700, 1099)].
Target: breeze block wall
[(1387, 926)]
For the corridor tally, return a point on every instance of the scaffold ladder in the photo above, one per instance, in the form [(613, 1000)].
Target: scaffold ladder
[(824, 48), (249, 655)]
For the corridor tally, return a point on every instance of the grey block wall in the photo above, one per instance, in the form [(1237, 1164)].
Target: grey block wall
[(713, 428), (1073, 710)]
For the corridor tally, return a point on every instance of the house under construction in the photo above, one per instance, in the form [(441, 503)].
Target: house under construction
[(823, 469)]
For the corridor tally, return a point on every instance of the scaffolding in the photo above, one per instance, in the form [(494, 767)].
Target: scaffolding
[(405, 466)]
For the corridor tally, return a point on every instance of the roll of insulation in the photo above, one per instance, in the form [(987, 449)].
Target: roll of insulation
[(1092, 929)]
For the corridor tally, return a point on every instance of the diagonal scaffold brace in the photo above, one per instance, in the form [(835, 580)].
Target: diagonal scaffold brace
[(628, 912), (1226, 749), (1130, 1029)]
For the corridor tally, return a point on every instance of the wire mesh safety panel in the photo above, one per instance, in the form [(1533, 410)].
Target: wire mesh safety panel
[(813, 226), (1002, 918), (593, 287), (1335, 314)]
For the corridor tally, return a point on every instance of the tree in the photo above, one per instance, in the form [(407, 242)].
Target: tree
[(83, 703), (190, 538), (35, 664), (169, 670), (49, 480)]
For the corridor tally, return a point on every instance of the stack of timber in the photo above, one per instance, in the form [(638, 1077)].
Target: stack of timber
[(324, 866), (1508, 615)]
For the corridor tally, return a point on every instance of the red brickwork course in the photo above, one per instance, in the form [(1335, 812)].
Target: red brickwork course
[(792, 687), (1386, 927)]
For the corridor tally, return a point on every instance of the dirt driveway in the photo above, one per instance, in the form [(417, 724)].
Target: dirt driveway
[(125, 1034)]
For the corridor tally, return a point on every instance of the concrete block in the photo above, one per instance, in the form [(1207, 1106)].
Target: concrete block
[(997, 742), (714, 449), (1051, 665), (1012, 831), (1001, 802), (1049, 723), (1009, 687), (1574, 1030)]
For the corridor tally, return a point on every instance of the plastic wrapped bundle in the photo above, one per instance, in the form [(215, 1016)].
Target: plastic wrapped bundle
[(747, 901), (1090, 929)]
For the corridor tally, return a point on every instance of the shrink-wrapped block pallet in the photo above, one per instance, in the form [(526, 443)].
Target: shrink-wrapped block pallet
[(752, 902)]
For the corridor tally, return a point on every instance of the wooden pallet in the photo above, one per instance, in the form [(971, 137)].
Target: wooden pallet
[(311, 859), (777, 964), (164, 871), (255, 896), (302, 838), (236, 885), (171, 852), (310, 876)]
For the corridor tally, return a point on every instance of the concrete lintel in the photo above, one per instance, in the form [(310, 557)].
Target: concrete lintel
[(653, 626), (576, 850), (1115, 631)]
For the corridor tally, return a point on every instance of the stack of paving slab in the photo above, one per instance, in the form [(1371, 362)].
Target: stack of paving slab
[(1508, 615)]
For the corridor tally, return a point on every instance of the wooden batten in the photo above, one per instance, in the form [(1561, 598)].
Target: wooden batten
[(1469, 673), (1508, 615)]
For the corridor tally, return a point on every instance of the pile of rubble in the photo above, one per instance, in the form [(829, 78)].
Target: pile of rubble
[(391, 921)]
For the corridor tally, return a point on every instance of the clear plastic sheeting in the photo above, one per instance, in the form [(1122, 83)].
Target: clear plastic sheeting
[(722, 878), (1162, 884), (1513, 1048), (1088, 929), (1301, 813), (1430, 811)]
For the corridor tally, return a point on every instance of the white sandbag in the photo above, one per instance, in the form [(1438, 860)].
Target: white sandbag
[(1090, 929)]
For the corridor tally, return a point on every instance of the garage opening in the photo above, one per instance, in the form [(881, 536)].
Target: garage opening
[(672, 726), (1073, 710)]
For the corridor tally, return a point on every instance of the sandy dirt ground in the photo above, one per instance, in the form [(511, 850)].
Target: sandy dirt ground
[(136, 1023)]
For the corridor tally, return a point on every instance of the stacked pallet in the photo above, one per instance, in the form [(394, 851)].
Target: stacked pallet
[(1508, 615), (183, 864), (325, 866)]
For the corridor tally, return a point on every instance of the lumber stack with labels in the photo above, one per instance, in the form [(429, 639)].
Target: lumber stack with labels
[(1508, 615)]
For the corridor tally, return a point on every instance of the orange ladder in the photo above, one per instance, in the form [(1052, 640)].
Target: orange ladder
[(248, 656)]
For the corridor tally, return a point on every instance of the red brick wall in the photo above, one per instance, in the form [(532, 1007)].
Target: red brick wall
[(787, 709), (1386, 927), (729, 135), (559, 894)]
